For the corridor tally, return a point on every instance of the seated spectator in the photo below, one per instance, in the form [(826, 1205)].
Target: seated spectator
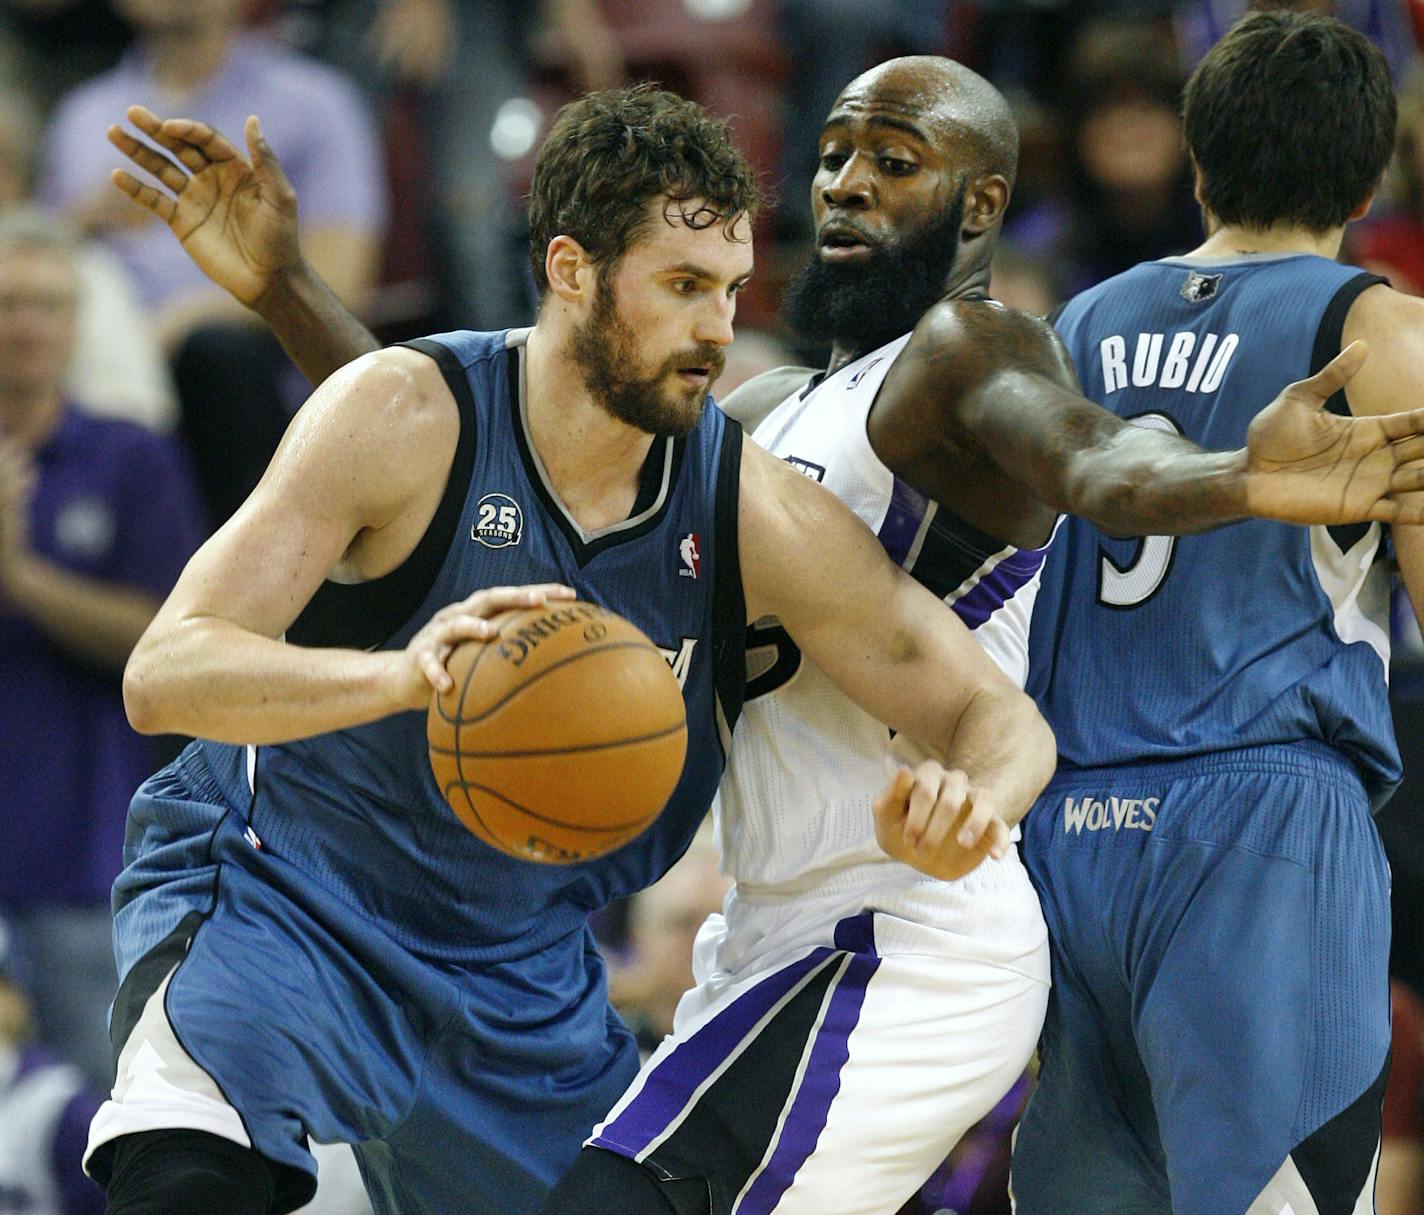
[(45, 1110), (647, 984), (117, 369), (235, 386), (97, 518)]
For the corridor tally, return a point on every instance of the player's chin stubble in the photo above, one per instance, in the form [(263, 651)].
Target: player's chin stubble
[(605, 350)]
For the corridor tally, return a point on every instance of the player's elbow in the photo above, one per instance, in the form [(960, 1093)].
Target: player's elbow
[(144, 698)]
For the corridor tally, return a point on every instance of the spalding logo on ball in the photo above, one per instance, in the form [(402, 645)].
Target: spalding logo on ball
[(563, 737)]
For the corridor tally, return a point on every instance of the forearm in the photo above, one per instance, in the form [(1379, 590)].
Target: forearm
[(1002, 743), (92, 620), (1149, 483), (212, 679), (315, 328)]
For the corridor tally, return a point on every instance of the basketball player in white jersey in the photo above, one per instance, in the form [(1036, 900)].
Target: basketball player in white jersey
[(853, 1015)]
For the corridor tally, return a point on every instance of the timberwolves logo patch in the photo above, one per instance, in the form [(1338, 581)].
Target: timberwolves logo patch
[(498, 522), (1200, 287)]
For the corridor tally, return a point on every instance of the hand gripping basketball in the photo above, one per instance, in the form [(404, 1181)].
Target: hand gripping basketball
[(562, 737)]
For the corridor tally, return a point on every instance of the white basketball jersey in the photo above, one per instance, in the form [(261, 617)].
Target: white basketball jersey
[(794, 815)]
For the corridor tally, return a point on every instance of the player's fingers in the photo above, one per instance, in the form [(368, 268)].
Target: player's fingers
[(1403, 508), (1407, 478), (168, 173), (948, 809), (463, 626), (146, 196), (1403, 426), (433, 669), (929, 778), (998, 838), (889, 811), (983, 811), (265, 161), (1338, 372), (171, 133), (496, 599)]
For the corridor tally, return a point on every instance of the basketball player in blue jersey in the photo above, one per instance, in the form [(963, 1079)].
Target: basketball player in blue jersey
[(899, 202), (1218, 900), (309, 942)]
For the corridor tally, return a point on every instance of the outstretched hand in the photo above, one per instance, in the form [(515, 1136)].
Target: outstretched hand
[(1307, 465), (236, 217)]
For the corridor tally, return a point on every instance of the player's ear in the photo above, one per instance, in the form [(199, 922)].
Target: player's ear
[(568, 268), (1362, 208), (985, 202)]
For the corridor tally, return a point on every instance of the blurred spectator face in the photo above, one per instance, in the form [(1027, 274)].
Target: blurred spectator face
[(14, 1015), (17, 138), (180, 16), (666, 918), (38, 292), (1132, 145)]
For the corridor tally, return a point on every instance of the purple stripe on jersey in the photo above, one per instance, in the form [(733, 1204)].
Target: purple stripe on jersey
[(669, 1088), (902, 521), (1000, 585), (819, 1085)]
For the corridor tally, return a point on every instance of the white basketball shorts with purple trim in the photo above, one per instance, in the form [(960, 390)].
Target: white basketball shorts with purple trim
[(835, 1081)]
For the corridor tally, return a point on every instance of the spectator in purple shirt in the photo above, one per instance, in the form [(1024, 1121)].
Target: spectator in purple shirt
[(97, 518), (235, 387), (45, 1110)]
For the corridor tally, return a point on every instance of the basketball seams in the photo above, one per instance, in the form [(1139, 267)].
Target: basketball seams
[(459, 759), (554, 666), (571, 750), (609, 829)]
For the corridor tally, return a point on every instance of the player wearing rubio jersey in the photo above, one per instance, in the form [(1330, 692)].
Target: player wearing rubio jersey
[(1215, 890), (853, 1015)]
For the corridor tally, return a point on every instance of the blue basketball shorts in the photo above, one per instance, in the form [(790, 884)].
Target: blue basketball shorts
[(255, 1006), (1217, 1035)]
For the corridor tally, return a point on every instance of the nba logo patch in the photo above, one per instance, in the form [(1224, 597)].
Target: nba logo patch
[(860, 375), (498, 522), (690, 550), (1200, 287)]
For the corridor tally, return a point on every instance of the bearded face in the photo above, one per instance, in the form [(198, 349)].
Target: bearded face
[(663, 400), (866, 301)]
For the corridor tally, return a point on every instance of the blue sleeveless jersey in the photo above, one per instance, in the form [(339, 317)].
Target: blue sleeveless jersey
[(1254, 634), (358, 812)]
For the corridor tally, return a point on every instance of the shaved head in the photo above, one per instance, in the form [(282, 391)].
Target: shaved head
[(948, 103)]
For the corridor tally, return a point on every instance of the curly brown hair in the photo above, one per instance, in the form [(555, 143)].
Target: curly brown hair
[(609, 154)]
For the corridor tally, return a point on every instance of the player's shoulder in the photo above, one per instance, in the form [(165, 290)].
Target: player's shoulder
[(1378, 309), (752, 400), (979, 335)]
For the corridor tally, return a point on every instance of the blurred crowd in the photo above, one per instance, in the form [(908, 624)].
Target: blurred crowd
[(139, 404)]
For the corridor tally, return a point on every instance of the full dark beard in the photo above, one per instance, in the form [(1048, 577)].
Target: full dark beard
[(605, 349), (864, 306)]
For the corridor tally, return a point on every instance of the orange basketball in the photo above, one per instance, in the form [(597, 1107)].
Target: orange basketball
[(563, 737)]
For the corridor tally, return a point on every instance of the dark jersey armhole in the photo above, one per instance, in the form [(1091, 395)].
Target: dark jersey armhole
[(1327, 346), (365, 615), (729, 603), (1332, 329)]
